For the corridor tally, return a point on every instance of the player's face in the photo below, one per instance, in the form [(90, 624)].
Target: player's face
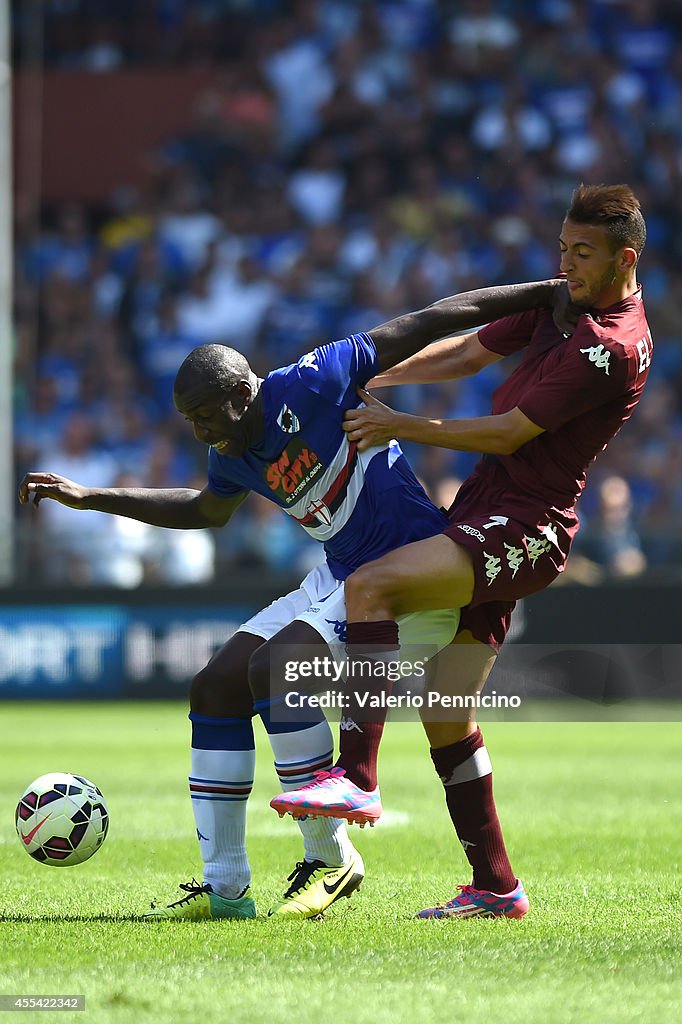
[(590, 264), (216, 417)]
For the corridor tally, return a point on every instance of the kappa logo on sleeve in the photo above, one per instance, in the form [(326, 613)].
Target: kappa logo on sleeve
[(599, 356), (309, 360)]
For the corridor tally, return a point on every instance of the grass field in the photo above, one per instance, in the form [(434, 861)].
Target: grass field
[(592, 817)]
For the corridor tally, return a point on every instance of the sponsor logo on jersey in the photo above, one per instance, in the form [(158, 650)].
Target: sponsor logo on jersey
[(471, 531), (599, 356), (290, 475), (288, 421)]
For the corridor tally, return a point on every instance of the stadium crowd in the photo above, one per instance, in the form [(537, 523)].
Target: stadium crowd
[(353, 160)]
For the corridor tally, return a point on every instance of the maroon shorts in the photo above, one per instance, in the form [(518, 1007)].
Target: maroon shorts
[(511, 559)]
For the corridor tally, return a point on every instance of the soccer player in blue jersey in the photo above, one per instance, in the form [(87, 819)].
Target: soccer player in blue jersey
[(283, 437)]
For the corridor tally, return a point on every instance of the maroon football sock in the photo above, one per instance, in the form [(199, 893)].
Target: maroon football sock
[(466, 773), (362, 727)]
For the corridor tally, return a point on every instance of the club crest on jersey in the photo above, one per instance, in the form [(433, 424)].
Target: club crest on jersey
[(599, 356), (320, 511), (288, 421)]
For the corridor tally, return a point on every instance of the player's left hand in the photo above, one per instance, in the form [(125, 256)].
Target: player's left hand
[(374, 425)]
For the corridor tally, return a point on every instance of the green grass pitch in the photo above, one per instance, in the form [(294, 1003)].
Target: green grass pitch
[(592, 819)]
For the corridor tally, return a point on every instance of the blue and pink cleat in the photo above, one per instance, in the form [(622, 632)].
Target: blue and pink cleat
[(472, 902), (331, 795)]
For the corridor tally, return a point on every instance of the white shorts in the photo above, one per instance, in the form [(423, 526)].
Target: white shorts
[(320, 601)]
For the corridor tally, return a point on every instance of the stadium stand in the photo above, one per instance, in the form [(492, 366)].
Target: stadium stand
[(350, 161)]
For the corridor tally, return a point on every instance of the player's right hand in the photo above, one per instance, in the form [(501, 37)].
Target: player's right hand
[(49, 485)]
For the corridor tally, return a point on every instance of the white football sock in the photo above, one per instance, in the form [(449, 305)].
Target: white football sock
[(220, 784), (297, 755)]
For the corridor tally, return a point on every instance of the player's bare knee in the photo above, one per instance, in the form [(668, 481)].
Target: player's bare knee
[(220, 694), (200, 692), (259, 673), (444, 734), (369, 589)]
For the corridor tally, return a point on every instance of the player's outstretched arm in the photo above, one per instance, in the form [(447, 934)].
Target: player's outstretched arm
[(398, 339), (448, 359), (496, 435), (180, 508)]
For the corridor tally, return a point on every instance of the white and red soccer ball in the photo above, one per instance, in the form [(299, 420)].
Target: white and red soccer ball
[(61, 819)]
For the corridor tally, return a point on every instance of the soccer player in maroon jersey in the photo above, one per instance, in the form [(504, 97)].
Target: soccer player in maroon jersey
[(511, 523)]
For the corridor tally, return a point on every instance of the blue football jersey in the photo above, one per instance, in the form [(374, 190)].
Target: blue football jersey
[(360, 505)]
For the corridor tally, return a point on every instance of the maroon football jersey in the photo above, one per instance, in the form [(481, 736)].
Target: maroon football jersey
[(580, 389)]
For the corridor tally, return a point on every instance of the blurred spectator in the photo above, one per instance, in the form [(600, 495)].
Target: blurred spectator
[(39, 422), (181, 558), (129, 222), (206, 146), (295, 320), (129, 545), (316, 189), (266, 537), (611, 539), (294, 64), (161, 350), (224, 307), (76, 548), (480, 28), (66, 251), (187, 226), (511, 124)]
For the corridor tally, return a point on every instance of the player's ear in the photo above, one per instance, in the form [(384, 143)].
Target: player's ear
[(241, 396), (627, 259)]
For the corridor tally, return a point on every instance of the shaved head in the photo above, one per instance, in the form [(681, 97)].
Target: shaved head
[(211, 368)]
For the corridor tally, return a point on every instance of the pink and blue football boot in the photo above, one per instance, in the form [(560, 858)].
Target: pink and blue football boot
[(471, 902), (331, 795)]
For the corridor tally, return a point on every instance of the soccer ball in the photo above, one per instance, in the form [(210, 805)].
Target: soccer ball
[(61, 819)]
